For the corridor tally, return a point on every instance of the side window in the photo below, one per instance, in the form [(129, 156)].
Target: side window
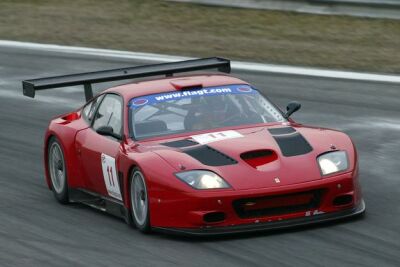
[(90, 108), (109, 113)]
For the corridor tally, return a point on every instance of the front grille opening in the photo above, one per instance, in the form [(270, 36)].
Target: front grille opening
[(214, 217), (278, 204), (343, 200), (259, 158)]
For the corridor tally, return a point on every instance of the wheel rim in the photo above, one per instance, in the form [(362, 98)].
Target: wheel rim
[(139, 198), (57, 167)]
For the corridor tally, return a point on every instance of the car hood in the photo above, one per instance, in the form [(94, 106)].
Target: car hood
[(255, 157)]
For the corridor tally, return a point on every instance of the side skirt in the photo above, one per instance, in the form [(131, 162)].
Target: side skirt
[(99, 202)]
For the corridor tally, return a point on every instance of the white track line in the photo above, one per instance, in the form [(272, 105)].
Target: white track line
[(238, 65)]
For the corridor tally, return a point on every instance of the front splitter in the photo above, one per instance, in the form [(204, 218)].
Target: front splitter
[(275, 225)]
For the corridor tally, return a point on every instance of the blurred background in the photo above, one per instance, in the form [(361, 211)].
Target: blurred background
[(350, 34)]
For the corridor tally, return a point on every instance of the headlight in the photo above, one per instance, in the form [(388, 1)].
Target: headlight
[(333, 162), (200, 179)]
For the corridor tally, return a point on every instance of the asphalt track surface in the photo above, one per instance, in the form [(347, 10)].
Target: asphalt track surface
[(37, 231)]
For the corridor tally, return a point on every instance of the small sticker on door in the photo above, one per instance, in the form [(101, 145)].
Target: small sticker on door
[(110, 176)]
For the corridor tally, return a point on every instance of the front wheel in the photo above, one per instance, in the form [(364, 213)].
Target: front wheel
[(139, 201), (57, 171)]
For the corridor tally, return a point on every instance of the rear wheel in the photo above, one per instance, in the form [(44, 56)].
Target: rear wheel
[(57, 171), (139, 201)]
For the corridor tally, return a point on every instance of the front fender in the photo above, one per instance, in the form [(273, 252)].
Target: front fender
[(159, 175)]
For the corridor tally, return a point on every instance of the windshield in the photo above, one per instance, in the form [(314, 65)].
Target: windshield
[(199, 109)]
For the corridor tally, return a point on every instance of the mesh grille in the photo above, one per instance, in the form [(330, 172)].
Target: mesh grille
[(277, 204)]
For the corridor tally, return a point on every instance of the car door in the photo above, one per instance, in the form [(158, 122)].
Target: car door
[(99, 153)]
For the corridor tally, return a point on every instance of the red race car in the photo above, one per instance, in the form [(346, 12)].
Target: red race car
[(200, 154)]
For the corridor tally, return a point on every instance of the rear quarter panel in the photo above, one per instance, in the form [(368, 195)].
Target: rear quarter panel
[(65, 128)]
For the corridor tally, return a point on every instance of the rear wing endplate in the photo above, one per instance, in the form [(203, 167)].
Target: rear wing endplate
[(87, 79)]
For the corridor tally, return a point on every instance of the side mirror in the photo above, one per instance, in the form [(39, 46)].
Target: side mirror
[(107, 131), (291, 108)]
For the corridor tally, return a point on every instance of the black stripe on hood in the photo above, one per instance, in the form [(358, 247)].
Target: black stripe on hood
[(209, 156), (291, 142), (180, 143), (284, 130)]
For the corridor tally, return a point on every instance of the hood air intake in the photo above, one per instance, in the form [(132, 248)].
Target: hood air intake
[(291, 142), (209, 156), (180, 143)]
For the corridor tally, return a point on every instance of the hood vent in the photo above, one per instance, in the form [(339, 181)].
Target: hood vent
[(209, 156), (259, 158), (291, 142), (279, 131), (180, 143)]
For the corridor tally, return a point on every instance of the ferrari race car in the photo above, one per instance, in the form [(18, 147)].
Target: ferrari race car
[(197, 154)]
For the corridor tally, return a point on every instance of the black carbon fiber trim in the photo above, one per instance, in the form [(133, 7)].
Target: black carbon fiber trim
[(209, 156), (293, 144), (285, 130), (180, 143)]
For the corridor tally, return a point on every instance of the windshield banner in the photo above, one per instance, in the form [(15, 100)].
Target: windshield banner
[(177, 95)]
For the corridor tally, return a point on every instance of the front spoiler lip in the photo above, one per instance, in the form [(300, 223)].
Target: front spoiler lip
[(256, 227)]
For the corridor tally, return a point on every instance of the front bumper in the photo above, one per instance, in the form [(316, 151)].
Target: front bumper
[(265, 226), (186, 212)]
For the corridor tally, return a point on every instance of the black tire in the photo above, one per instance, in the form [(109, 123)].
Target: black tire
[(139, 200), (56, 167)]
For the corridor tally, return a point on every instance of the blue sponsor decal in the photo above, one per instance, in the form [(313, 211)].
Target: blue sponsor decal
[(244, 89), (177, 95), (139, 102)]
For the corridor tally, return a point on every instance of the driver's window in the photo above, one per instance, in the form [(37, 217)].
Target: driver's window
[(109, 113), (90, 108)]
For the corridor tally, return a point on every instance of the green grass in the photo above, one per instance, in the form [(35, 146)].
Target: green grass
[(185, 29)]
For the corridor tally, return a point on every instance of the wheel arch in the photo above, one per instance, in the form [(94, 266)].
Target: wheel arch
[(127, 184), (65, 136), (159, 178), (46, 158)]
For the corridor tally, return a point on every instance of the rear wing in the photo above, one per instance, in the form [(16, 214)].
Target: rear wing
[(87, 79)]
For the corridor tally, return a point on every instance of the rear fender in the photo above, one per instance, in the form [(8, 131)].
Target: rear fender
[(65, 131)]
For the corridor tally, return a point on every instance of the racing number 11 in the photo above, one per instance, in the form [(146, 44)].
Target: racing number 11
[(110, 176)]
